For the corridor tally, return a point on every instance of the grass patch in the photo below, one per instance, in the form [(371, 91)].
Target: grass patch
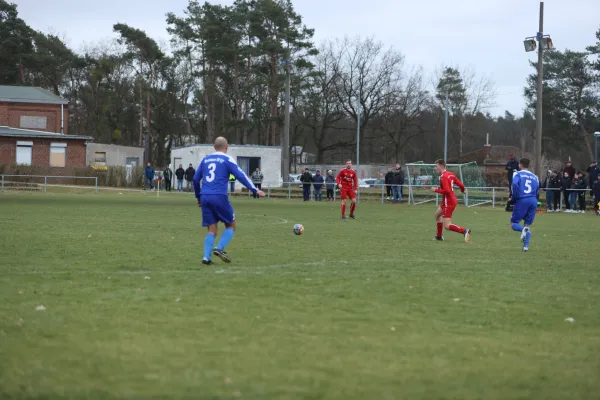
[(366, 309)]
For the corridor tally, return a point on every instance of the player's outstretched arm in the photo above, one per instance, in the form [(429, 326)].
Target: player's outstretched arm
[(196, 181), (460, 185)]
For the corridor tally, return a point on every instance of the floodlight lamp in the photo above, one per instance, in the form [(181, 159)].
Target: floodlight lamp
[(546, 43), (597, 134), (530, 45)]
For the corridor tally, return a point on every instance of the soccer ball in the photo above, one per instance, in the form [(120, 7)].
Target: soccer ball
[(298, 229)]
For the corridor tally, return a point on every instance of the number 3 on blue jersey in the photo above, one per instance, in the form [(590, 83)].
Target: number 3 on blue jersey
[(527, 186), (211, 172)]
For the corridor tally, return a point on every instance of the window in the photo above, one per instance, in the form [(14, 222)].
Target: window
[(58, 154), (100, 157), (24, 153)]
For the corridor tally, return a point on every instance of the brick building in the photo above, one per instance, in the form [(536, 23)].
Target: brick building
[(34, 108), (33, 127), (492, 159)]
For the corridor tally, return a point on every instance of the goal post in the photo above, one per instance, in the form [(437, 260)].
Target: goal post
[(421, 177)]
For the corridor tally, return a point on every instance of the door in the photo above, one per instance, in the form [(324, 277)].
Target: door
[(176, 162)]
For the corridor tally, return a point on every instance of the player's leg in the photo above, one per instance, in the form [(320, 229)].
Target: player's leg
[(343, 196), (352, 204), (439, 223), (227, 216), (518, 214), (210, 221), (529, 218), (448, 225)]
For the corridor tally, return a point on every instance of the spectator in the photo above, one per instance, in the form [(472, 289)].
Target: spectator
[(581, 188), (168, 175), (596, 194), (318, 181), (232, 183), (567, 187), (397, 182), (555, 185), (149, 173), (330, 185), (306, 180), (257, 179), (189, 177), (550, 194), (512, 166), (569, 169), (593, 173), (179, 174), (389, 177)]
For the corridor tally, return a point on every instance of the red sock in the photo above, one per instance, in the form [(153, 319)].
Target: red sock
[(456, 228), (343, 209), (440, 227), (352, 207)]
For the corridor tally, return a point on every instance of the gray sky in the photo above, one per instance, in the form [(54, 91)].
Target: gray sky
[(485, 34)]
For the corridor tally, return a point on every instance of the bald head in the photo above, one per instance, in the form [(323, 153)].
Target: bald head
[(221, 144)]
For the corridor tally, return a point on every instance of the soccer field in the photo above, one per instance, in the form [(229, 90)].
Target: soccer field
[(365, 309)]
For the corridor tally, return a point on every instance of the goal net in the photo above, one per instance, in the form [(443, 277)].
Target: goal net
[(420, 177)]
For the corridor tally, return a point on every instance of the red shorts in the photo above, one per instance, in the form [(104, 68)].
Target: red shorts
[(447, 210), (346, 193)]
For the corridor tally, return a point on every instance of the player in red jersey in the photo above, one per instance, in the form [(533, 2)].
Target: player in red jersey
[(347, 181), (443, 215)]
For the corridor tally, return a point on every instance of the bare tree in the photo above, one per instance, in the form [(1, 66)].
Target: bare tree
[(401, 119), (367, 73)]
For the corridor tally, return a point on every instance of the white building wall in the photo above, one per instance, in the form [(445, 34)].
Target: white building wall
[(270, 159)]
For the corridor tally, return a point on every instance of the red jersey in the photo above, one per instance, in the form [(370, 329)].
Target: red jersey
[(447, 182), (347, 177)]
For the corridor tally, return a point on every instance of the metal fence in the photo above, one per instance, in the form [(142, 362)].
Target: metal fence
[(408, 194), (42, 182)]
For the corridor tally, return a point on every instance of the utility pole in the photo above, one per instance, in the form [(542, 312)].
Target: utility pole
[(446, 129), (540, 89), (285, 142), (358, 144)]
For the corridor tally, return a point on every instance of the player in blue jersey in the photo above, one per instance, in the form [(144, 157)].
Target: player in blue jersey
[(213, 172), (525, 189)]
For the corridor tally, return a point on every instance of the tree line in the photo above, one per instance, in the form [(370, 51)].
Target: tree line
[(223, 73)]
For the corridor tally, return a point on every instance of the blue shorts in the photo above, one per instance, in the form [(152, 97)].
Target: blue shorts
[(216, 208), (524, 210)]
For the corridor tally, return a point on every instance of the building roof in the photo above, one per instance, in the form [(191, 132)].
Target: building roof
[(253, 146), (29, 94), (6, 131), (496, 154)]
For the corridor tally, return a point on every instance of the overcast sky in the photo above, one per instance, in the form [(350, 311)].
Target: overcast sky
[(485, 34)]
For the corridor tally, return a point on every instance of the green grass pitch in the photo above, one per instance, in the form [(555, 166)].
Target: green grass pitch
[(365, 309)]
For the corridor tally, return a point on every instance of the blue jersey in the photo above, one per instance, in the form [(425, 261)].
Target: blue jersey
[(214, 173), (525, 185)]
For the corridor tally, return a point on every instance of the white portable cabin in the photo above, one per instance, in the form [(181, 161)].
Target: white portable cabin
[(248, 157)]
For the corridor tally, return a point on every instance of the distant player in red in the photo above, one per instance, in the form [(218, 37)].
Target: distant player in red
[(443, 214), (347, 181)]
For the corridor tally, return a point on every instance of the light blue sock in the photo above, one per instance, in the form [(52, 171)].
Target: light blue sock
[(208, 245), (517, 227), (225, 239), (527, 239)]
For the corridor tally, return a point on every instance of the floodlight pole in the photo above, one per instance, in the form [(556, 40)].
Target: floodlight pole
[(285, 143), (596, 135), (540, 88), (446, 129), (358, 145)]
